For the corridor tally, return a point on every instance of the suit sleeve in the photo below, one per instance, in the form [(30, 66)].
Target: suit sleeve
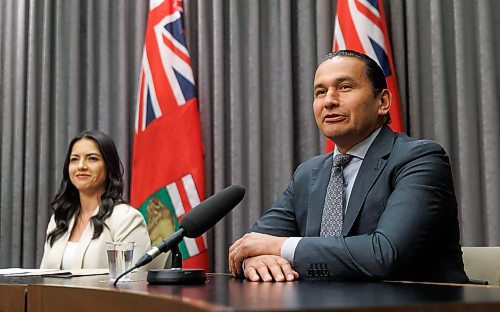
[(129, 226), (421, 202)]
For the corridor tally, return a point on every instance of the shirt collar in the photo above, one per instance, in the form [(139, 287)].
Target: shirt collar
[(359, 150)]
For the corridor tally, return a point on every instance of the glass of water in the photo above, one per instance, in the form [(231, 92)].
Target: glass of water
[(120, 256)]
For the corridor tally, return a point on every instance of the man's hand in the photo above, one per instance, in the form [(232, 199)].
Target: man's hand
[(251, 245), (267, 268)]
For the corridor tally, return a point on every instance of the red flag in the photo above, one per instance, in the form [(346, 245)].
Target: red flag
[(167, 166), (360, 25)]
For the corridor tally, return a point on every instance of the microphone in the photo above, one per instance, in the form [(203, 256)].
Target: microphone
[(196, 222)]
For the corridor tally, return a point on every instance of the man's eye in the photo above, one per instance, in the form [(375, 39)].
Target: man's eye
[(345, 87), (320, 92)]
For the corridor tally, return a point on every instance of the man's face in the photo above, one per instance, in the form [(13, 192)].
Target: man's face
[(345, 108)]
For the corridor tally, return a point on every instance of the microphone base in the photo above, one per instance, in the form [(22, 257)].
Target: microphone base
[(176, 277)]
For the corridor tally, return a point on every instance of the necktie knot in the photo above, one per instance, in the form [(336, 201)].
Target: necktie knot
[(341, 160)]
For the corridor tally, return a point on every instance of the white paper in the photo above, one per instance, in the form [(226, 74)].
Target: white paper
[(52, 272)]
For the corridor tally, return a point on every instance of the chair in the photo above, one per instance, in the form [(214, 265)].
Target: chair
[(482, 263)]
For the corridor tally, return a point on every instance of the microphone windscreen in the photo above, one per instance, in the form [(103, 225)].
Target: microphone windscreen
[(204, 216)]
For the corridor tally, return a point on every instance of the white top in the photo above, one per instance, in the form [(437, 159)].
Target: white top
[(69, 254)]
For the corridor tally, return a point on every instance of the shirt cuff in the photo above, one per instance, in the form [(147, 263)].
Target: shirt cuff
[(288, 248)]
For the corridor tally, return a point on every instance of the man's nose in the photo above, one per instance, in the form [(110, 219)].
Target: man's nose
[(332, 98)]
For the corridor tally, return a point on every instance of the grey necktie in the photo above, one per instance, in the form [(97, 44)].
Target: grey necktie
[(332, 220)]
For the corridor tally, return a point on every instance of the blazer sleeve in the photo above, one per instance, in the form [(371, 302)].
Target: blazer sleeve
[(127, 224), (421, 202)]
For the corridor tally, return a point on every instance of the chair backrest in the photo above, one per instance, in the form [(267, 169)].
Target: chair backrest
[(482, 263)]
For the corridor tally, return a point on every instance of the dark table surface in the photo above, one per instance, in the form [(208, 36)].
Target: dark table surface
[(222, 292)]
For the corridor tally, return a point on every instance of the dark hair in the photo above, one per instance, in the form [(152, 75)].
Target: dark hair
[(373, 71), (66, 202)]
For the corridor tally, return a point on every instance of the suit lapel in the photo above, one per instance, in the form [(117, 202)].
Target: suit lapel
[(319, 180), (56, 255), (83, 244), (373, 164)]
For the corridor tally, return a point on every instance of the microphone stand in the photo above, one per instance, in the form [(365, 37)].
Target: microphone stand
[(176, 257), (176, 275), (191, 226)]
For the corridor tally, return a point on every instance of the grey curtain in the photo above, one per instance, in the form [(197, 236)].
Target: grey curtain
[(66, 66)]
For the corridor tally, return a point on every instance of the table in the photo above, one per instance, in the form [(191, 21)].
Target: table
[(224, 293), (12, 297)]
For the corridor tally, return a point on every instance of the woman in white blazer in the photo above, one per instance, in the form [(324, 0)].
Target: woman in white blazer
[(89, 210)]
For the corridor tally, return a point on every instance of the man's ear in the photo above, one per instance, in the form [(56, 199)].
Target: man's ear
[(385, 100)]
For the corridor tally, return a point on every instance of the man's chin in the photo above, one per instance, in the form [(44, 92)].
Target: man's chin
[(340, 138), (335, 134)]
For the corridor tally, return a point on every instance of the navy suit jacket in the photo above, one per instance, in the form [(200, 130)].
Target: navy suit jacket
[(401, 222)]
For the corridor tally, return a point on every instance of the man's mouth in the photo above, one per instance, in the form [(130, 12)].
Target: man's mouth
[(334, 117)]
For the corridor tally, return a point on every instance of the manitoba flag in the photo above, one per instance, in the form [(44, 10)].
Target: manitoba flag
[(167, 165), (360, 25)]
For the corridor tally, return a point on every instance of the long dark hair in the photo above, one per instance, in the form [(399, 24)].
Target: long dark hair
[(66, 202)]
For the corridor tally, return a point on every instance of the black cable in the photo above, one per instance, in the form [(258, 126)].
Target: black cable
[(125, 273)]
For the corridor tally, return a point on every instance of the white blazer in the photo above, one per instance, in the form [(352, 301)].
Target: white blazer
[(126, 224)]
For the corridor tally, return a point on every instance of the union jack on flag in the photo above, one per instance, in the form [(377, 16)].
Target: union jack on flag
[(166, 77), (360, 25)]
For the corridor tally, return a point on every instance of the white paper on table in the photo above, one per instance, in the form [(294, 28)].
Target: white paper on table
[(52, 272)]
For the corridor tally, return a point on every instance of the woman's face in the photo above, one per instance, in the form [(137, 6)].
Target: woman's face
[(87, 170)]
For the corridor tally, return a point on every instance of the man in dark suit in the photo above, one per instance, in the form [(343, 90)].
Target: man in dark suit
[(387, 210)]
